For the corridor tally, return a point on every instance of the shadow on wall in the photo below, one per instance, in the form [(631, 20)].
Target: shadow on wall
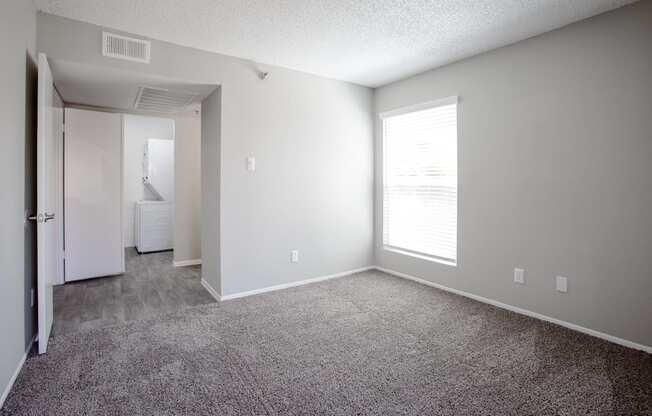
[(29, 240)]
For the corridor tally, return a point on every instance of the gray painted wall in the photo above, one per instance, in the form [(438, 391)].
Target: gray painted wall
[(187, 188), (555, 165), (17, 178), (313, 185), (210, 188), (313, 140)]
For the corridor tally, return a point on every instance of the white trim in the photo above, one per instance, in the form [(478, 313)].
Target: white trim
[(12, 380), (454, 99), (574, 327), (420, 106), (183, 263), (211, 290), (440, 260), (122, 191), (60, 277), (293, 284), (383, 178)]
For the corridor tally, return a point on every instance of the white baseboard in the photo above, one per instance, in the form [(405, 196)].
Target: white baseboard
[(12, 380), (211, 290), (183, 263), (578, 328), (293, 284)]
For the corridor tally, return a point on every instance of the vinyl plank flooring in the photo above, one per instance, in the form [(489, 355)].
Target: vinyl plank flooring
[(114, 311), (151, 285), (113, 288), (90, 312), (134, 308), (151, 297), (129, 284), (74, 294)]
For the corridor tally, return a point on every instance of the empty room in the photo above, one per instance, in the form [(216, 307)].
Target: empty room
[(425, 207)]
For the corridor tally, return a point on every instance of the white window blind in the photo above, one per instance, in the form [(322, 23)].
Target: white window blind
[(420, 180)]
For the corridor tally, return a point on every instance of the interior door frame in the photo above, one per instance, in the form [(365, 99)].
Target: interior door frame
[(59, 143)]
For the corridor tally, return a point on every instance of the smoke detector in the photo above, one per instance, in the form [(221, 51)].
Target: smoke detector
[(124, 47), (163, 100)]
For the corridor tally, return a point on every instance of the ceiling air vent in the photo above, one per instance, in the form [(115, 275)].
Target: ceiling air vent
[(123, 47), (162, 100)]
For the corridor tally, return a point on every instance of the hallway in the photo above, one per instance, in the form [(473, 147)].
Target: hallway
[(151, 286)]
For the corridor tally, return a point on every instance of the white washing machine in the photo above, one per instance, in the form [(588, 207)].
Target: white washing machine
[(154, 226)]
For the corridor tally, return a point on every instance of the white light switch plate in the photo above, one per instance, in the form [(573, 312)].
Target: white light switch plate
[(562, 284), (519, 276), (251, 163), (295, 256)]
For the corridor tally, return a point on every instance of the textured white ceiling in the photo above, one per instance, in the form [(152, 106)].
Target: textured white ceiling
[(369, 42)]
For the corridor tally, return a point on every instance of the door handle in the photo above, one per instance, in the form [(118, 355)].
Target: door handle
[(37, 218), (41, 217)]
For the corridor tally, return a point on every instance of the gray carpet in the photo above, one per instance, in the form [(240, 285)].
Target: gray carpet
[(365, 344)]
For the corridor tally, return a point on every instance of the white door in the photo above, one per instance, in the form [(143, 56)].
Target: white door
[(93, 194), (46, 188)]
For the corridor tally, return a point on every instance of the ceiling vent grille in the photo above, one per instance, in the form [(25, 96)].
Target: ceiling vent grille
[(123, 47), (162, 100)]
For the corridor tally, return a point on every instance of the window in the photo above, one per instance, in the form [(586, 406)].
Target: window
[(420, 180)]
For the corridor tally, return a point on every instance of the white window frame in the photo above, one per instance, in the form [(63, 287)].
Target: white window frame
[(405, 110)]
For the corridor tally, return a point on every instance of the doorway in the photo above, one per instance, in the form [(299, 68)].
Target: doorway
[(155, 183)]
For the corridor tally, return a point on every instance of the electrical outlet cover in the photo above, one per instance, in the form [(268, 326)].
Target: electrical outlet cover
[(562, 284)]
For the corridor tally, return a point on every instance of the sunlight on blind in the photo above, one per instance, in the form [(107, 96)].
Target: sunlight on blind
[(420, 182)]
